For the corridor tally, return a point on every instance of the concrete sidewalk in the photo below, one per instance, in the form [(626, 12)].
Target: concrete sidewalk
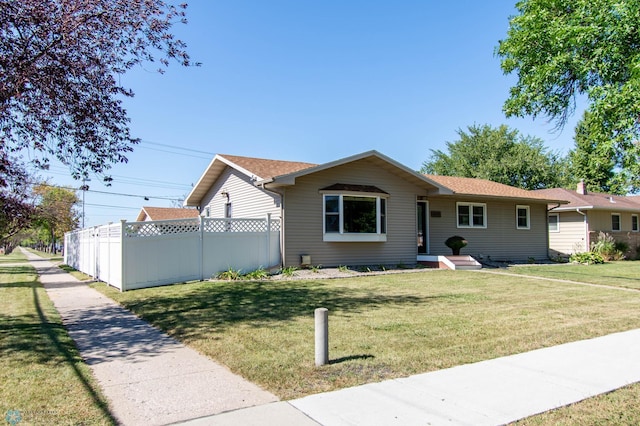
[(148, 377), (493, 392)]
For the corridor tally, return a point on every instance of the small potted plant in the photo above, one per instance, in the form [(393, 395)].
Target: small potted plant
[(455, 243)]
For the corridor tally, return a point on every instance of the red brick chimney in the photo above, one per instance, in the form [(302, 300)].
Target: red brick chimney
[(581, 189)]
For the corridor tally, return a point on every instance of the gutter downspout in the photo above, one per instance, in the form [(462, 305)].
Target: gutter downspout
[(586, 230), (281, 195)]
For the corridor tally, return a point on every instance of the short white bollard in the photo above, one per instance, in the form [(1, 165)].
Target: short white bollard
[(322, 336)]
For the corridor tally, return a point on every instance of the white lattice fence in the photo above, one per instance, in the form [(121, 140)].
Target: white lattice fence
[(131, 255)]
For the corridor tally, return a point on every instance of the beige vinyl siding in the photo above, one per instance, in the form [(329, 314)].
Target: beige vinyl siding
[(571, 237), (600, 220), (500, 240), (247, 200), (304, 220)]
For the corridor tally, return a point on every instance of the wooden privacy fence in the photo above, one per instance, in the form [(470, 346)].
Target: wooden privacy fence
[(131, 255)]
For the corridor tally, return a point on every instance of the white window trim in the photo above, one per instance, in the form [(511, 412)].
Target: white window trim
[(528, 209), (471, 205), (342, 236), (557, 215), (637, 223), (619, 222)]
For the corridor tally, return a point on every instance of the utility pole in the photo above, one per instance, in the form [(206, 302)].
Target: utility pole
[(84, 188)]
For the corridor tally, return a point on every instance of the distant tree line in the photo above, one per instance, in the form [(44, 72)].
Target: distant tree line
[(504, 155)]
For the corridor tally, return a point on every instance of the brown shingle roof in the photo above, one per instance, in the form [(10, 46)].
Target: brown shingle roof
[(486, 188), (166, 213), (266, 169), (592, 199)]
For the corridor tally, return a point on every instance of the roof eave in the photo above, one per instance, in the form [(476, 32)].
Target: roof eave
[(503, 197), (290, 179), (209, 176)]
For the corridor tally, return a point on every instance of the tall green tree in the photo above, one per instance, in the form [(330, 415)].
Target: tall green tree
[(56, 211), (561, 50), (501, 155), (594, 161)]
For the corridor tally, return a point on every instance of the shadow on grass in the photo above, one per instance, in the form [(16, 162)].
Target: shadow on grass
[(36, 338), (216, 306), (17, 270), (350, 358), (64, 346)]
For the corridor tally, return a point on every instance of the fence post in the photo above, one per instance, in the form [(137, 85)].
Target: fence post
[(123, 255), (268, 220), (201, 257)]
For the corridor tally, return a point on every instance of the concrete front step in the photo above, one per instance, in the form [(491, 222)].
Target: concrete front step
[(463, 262)]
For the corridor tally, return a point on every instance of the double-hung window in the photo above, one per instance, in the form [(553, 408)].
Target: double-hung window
[(615, 221), (472, 215), (354, 215), (634, 222), (554, 222), (523, 217)]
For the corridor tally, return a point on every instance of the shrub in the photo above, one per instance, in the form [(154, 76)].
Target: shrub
[(289, 271), (455, 243), (606, 246), (258, 274), (230, 274), (587, 258)]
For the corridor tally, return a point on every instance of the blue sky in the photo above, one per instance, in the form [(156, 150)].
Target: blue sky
[(314, 82)]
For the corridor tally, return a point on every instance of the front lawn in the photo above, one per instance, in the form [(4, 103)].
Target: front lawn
[(624, 273), (43, 379), (380, 327)]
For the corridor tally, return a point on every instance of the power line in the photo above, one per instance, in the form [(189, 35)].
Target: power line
[(177, 147), (112, 207), (145, 197), (177, 153), (136, 181)]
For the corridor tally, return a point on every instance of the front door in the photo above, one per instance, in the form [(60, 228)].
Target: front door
[(423, 230)]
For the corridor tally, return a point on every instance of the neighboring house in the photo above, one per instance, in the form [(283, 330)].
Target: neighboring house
[(574, 226), (368, 209), (166, 213)]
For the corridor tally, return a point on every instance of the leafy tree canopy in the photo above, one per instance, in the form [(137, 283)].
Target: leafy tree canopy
[(563, 49), (500, 155), (595, 162), (16, 206), (55, 210), (60, 95)]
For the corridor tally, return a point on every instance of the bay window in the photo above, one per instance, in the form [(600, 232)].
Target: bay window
[(355, 217)]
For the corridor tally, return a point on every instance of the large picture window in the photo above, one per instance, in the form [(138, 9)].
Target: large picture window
[(349, 217), (472, 215)]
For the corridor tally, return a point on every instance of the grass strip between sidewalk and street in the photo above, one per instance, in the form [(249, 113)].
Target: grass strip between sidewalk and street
[(43, 379), (380, 327)]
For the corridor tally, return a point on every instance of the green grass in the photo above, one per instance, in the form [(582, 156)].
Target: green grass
[(380, 326), (15, 256), (41, 373), (619, 274), (619, 408)]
